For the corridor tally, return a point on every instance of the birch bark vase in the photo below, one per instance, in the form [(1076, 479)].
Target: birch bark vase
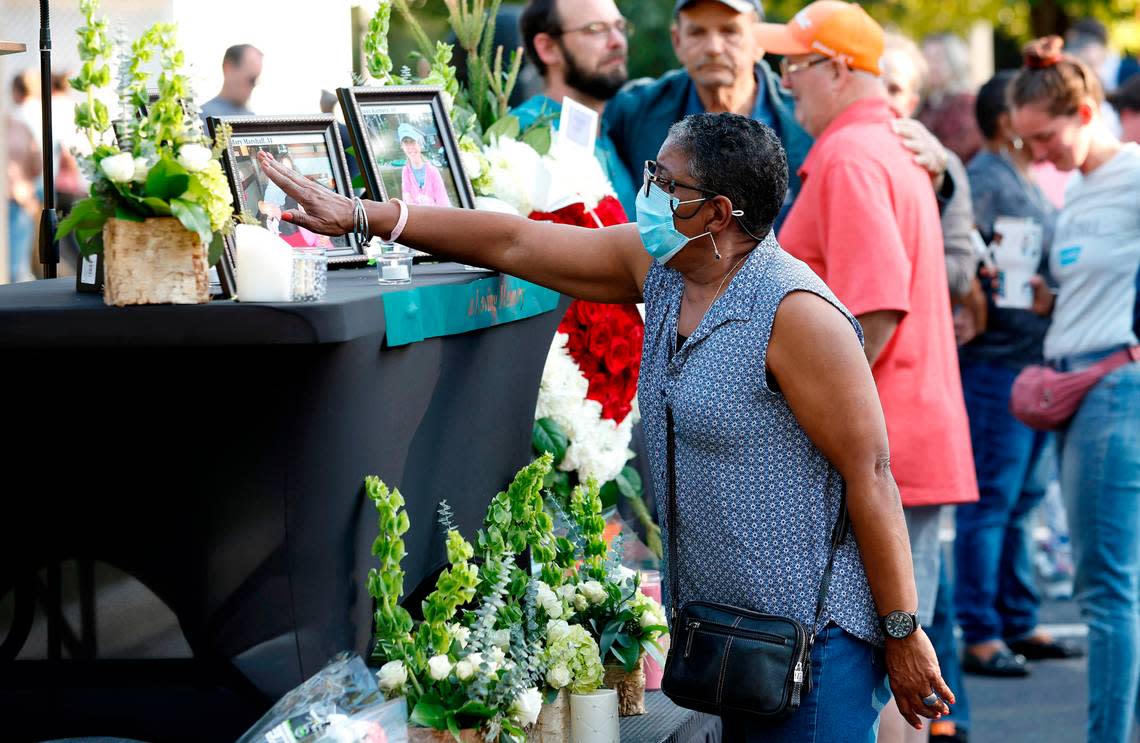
[(431, 735), (553, 723), (157, 261), (630, 687)]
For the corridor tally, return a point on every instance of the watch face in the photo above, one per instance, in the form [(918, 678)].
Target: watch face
[(898, 624)]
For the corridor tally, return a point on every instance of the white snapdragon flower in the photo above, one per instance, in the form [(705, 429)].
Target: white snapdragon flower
[(194, 157), (558, 676), (527, 706), (580, 603), (392, 676), (440, 667), (118, 168)]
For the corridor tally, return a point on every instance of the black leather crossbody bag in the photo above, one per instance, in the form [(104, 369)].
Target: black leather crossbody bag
[(728, 660)]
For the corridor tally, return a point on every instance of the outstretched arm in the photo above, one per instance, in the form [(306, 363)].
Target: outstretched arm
[(816, 359), (600, 265)]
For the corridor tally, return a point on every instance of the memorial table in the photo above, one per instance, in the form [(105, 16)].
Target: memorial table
[(216, 453)]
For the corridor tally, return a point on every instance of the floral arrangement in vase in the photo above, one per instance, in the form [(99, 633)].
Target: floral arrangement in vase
[(152, 163)]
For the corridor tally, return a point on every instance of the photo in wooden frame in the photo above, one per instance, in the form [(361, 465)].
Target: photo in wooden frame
[(406, 146), (309, 145)]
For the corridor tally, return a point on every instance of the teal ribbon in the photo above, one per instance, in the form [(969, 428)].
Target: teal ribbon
[(433, 311)]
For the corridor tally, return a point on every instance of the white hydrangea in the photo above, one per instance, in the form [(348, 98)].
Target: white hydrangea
[(558, 676), (556, 631)]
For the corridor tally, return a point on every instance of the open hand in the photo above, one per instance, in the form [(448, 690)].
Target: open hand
[(323, 211), (912, 668)]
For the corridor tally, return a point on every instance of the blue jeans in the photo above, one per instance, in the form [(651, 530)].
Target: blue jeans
[(1100, 482), (21, 230), (941, 633), (995, 596), (849, 688)]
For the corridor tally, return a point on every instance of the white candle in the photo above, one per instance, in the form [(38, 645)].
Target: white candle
[(594, 717), (264, 265), (394, 272)]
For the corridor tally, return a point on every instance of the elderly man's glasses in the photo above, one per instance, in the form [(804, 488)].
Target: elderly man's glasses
[(787, 69), (599, 29), (670, 186)]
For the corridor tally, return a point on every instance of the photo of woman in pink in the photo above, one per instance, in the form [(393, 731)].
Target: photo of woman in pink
[(422, 182)]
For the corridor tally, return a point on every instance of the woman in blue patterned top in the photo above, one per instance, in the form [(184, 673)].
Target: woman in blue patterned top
[(774, 406)]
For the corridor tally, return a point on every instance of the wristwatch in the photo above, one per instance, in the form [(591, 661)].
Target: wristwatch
[(899, 625)]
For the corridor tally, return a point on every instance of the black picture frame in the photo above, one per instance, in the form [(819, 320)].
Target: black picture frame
[(277, 133), (359, 105)]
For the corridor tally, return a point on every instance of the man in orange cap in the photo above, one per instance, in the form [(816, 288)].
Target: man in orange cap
[(867, 222)]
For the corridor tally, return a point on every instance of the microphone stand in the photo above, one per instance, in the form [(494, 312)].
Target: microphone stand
[(49, 220)]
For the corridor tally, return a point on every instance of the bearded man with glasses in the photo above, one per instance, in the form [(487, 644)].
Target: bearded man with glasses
[(579, 47)]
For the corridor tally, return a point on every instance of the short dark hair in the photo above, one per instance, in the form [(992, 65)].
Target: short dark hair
[(1089, 28), (236, 54), (992, 102), (1127, 96), (538, 17), (739, 158)]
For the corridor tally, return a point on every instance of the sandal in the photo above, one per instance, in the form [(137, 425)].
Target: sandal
[(1003, 663)]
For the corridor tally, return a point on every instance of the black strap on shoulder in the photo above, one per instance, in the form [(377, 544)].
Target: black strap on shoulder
[(838, 532)]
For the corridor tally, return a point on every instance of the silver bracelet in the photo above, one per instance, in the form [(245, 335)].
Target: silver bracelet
[(359, 221)]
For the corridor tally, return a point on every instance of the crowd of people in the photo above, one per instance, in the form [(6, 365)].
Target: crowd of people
[(853, 203), (831, 328)]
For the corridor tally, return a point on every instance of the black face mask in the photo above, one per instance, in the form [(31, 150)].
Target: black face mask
[(601, 87)]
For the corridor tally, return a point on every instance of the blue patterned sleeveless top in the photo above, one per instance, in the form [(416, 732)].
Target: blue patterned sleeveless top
[(756, 500)]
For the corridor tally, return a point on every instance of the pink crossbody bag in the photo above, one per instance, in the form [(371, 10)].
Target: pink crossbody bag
[(1046, 399)]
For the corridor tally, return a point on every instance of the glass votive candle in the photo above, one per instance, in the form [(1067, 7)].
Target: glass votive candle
[(393, 264), (310, 274)]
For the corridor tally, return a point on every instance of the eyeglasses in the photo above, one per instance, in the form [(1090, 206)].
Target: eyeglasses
[(598, 29), (787, 70), (670, 186)]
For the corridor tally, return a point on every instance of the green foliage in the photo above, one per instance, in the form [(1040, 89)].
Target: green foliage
[(548, 437), (386, 581), (375, 44), (95, 52)]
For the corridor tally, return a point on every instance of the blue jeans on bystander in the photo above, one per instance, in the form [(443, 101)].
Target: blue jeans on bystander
[(1100, 483), (995, 594), (849, 689), (941, 633)]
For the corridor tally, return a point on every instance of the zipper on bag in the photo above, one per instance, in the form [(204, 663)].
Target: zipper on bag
[(720, 629)]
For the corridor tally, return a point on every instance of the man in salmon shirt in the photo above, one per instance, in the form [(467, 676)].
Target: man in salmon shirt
[(867, 222)]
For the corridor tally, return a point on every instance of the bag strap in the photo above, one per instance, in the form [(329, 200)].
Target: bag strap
[(838, 532)]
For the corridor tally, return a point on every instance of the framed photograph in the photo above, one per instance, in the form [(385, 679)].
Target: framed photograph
[(405, 145), (309, 145)]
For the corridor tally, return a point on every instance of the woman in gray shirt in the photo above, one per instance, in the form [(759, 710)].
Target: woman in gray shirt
[(1095, 260)]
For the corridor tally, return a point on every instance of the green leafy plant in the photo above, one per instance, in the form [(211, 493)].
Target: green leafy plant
[(161, 164)]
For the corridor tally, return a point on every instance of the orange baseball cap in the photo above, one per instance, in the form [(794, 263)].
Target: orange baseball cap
[(835, 29)]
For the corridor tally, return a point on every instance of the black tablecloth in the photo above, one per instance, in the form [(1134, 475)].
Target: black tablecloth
[(216, 454), (668, 723)]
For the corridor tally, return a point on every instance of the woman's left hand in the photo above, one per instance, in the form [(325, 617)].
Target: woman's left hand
[(912, 668), (320, 210)]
